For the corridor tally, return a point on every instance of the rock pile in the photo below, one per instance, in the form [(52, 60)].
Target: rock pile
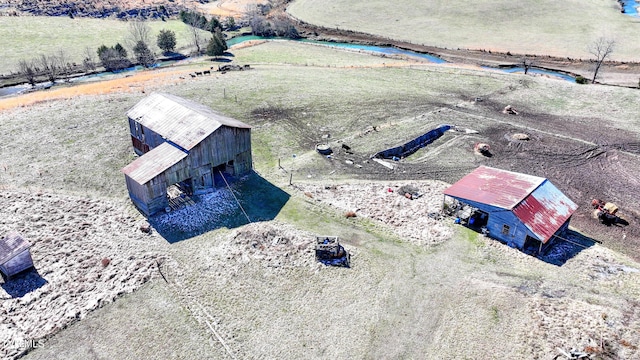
[(274, 245)]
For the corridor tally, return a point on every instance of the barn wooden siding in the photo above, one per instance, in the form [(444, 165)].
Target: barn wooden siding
[(212, 143), (224, 145)]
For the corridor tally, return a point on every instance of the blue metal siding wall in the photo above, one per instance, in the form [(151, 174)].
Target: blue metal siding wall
[(498, 217)]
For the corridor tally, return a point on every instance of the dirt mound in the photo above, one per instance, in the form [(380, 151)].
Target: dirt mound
[(274, 245), (520, 136), (412, 220), (71, 237)]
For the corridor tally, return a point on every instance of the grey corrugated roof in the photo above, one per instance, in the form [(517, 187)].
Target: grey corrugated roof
[(11, 245), (153, 163), (179, 120)]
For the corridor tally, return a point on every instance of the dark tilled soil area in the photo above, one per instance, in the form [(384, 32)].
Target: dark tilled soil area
[(584, 158)]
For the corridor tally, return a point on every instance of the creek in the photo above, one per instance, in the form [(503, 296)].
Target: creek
[(385, 50)]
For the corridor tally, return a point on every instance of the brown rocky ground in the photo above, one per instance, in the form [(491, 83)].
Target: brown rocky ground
[(384, 203), (121, 9)]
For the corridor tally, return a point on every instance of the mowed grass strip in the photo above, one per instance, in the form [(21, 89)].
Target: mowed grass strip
[(27, 37), (559, 28)]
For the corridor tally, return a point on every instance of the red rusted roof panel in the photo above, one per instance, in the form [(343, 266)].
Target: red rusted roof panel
[(545, 210), (153, 163), (496, 187)]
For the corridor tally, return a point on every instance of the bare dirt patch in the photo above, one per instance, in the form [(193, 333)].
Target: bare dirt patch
[(86, 252), (274, 245)]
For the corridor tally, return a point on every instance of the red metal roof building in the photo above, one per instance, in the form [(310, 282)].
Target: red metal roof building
[(517, 208)]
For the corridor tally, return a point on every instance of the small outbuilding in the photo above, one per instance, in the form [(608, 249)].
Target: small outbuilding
[(182, 143), (521, 210), (15, 256)]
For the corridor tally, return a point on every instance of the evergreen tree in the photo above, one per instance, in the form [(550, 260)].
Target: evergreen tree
[(217, 45), (144, 56), (167, 40), (121, 50)]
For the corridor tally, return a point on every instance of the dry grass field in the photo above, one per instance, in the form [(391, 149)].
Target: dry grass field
[(417, 288), (557, 28)]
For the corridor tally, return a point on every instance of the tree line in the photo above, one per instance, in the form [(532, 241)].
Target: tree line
[(53, 67)]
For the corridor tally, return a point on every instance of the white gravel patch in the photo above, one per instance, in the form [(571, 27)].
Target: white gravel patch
[(208, 209), (381, 202)]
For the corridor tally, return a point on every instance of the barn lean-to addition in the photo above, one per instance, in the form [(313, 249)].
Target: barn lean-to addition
[(182, 143), (518, 209), (15, 256)]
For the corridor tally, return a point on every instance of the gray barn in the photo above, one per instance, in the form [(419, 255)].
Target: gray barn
[(14, 254), (183, 143)]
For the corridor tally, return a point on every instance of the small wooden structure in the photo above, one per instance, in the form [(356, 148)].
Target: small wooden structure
[(14, 254), (182, 143)]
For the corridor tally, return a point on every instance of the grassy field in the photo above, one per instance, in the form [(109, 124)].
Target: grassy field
[(88, 132), (470, 297), (47, 35), (560, 28)]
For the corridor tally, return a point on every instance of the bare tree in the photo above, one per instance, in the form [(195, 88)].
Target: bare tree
[(139, 31), (601, 49), (527, 63), (27, 69), (89, 61), (64, 63), (196, 33), (50, 66)]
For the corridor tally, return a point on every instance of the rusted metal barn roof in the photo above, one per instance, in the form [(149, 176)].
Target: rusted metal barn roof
[(496, 187), (540, 206), (153, 163), (179, 120), (545, 210), (12, 245)]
